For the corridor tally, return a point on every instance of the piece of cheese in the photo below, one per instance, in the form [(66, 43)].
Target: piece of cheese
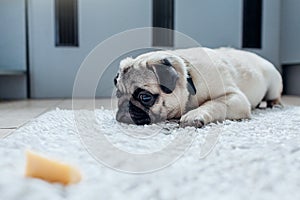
[(50, 170)]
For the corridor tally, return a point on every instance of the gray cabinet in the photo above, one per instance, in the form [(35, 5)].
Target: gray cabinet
[(12, 49), (290, 32), (54, 68), (215, 23), (290, 45), (212, 23)]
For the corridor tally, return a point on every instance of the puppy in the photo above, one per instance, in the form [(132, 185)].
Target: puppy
[(196, 85)]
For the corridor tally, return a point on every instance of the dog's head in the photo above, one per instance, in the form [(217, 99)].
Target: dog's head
[(151, 88)]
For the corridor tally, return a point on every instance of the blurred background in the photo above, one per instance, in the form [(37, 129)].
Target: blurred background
[(44, 42)]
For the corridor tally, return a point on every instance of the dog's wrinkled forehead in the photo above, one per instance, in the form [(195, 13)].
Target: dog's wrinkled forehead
[(134, 74)]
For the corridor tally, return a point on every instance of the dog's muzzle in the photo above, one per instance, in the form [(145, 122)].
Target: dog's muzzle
[(131, 114)]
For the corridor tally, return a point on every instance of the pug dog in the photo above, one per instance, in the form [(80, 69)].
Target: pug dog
[(197, 86)]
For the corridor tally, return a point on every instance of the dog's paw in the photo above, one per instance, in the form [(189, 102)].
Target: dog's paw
[(192, 118), (197, 123)]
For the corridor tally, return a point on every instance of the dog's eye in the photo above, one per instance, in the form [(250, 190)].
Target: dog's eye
[(145, 98)]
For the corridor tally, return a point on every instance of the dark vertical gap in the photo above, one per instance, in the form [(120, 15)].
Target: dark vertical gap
[(28, 82), (66, 23), (252, 23), (163, 17), (290, 77)]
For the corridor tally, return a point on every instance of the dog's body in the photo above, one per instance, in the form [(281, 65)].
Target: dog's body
[(197, 85)]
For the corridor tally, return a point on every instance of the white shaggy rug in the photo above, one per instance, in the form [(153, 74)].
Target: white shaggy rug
[(252, 159)]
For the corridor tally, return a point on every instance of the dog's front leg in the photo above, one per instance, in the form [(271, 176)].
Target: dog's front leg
[(230, 106)]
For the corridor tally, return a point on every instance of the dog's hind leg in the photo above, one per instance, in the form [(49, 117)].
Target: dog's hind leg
[(273, 94), (274, 103)]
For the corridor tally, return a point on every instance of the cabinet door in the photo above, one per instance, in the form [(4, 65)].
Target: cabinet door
[(54, 67), (215, 23), (290, 32), (12, 49), (12, 34), (290, 46)]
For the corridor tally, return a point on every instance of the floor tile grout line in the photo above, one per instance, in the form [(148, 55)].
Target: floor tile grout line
[(49, 107), (10, 128), (41, 113), (7, 134), (29, 120)]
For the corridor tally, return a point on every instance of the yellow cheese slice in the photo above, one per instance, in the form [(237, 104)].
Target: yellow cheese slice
[(50, 170)]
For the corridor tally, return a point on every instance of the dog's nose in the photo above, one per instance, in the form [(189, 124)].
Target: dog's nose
[(123, 103), (131, 114), (124, 117), (123, 113)]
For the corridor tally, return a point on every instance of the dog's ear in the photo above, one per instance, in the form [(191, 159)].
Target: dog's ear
[(166, 75), (125, 64)]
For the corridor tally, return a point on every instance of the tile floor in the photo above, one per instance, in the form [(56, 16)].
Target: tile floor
[(14, 114)]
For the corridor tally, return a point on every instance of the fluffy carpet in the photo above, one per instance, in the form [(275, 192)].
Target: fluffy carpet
[(252, 159)]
